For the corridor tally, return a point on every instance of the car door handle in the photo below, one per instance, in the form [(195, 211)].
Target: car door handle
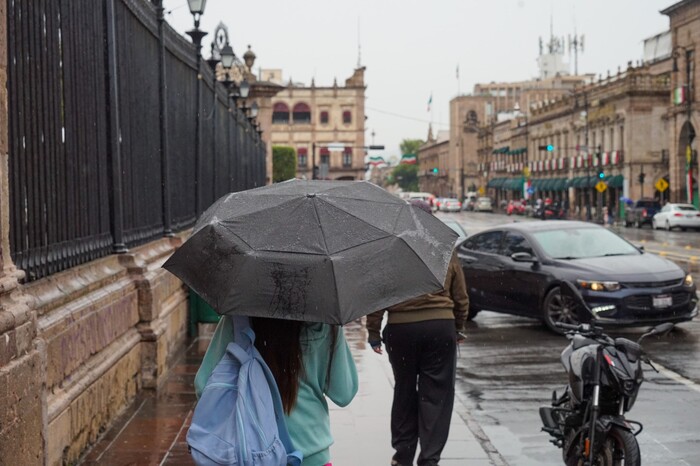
[(468, 259)]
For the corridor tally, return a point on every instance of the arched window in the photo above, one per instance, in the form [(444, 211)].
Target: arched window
[(280, 113), (301, 114), (347, 117)]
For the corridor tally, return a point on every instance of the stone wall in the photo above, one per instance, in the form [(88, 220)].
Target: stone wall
[(76, 347)]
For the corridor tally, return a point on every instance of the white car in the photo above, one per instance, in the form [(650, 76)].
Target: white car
[(483, 204), (677, 216), (450, 205)]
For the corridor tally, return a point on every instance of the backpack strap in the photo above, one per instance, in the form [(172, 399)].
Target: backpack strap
[(294, 457), (244, 336)]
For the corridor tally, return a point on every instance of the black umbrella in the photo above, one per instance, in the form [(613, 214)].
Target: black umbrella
[(320, 251)]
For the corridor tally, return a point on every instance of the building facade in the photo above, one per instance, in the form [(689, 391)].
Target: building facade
[(433, 160), (325, 125), (683, 116)]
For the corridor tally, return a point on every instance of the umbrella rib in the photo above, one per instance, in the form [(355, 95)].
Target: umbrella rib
[(318, 222)]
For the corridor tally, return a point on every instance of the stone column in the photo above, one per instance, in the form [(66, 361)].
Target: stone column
[(22, 409)]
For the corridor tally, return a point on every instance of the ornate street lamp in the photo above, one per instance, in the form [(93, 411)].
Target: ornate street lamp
[(254, 110), (227, 57), (197, 10), (244, 89)]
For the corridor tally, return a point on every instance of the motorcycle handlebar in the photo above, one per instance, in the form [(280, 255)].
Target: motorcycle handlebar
[(568, 326)]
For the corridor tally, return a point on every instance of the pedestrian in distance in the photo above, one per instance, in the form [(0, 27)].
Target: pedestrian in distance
[(309, 361), (421, 337)]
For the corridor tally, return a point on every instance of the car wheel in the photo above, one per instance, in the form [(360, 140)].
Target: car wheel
[(472, 313), (683, 228), (667, 226), (557, 308)]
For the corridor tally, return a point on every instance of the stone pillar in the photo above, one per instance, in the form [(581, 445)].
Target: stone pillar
[(22, 409)]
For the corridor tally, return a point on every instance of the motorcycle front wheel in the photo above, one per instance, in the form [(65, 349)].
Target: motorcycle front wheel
[(619, 448)]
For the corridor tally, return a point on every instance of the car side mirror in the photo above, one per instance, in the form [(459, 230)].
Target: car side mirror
[(523, 257), (570, 293)]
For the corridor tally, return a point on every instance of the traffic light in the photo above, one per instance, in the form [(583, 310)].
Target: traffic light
[(435, 171), (547, 147), (641, 177), (601, 174)]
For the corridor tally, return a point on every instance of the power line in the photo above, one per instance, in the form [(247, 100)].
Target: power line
[(405, 117)]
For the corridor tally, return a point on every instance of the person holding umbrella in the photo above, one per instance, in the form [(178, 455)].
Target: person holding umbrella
[(420, 337), (307, 254)]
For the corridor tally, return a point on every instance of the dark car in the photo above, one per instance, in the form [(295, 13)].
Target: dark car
[(641, 212), (517, 268)]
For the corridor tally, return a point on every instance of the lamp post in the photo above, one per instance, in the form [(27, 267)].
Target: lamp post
[(687, 96), (197, 9)]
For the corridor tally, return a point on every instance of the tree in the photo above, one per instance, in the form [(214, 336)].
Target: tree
[(410, 146), (284, 163), (406, 176)]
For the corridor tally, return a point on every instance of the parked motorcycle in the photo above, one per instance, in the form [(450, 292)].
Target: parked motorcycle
[(588, 420)]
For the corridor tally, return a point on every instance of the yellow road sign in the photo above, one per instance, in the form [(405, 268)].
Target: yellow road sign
[(526, 172), (482, 191), (601, 186), (661, 185)]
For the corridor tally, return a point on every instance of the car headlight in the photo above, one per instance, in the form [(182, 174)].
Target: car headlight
[(688, 280), (598, 286)]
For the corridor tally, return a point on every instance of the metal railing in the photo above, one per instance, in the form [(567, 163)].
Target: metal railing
[(103, 111)]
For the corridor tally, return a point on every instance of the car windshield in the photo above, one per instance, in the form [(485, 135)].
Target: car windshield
[(585, 242), (686, 207)]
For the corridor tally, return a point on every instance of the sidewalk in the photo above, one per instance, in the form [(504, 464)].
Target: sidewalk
[(152, 430)]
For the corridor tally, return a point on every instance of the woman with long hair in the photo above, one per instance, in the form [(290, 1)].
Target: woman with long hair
[(309, 362)]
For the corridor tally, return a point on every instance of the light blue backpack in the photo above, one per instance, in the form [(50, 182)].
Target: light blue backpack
[(239, 419)]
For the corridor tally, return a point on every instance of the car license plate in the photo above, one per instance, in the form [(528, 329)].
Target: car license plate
[(690, 215), (662, 301)]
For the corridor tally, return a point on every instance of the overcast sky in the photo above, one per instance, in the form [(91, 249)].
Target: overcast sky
[(412, 48)]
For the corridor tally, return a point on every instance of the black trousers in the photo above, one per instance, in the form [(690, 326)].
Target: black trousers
[(423, 359)]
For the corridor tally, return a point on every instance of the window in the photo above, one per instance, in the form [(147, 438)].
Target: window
[(515, 242), (325, 156), (347, 157), (347, 117), (280, 113), (302, 157), (301, 114), (489, 242), (324, 118)]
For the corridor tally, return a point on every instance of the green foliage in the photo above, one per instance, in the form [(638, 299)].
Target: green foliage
[(284, 163), (410, 146), (406, 176)]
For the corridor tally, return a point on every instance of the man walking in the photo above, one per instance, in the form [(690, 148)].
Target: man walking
[(420, 337)]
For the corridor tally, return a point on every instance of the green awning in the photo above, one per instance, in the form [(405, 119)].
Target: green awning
[(495, 183), (616, 181), (515, 184), (561, 184)]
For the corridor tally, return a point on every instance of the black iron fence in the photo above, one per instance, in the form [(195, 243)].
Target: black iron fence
[(118, 134)]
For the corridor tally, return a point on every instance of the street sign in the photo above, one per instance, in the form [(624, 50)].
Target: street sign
[(526, 172), (601, 186), (482, 191), (661, 185), (530, 191)]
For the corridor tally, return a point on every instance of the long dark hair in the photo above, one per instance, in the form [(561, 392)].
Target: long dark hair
[(279, 343)]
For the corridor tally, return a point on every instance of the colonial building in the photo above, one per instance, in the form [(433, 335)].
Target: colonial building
[(683, 115), (474, 116), (325, 124), (433, 160)]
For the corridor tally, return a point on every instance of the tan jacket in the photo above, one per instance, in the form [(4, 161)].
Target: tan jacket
[(452, 302)]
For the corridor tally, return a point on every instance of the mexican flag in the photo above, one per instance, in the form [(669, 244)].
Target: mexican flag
[(679, 95), (409, 159), (376, 161)]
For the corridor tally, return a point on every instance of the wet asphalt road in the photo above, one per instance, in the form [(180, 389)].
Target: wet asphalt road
[(509, 366)]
